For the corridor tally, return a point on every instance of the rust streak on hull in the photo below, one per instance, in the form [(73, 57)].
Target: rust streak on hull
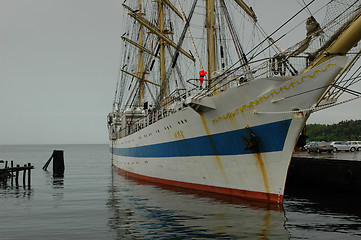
[(218, 160), (263, 170)]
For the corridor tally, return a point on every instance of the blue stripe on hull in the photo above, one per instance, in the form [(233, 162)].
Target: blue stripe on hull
[(270, 137)]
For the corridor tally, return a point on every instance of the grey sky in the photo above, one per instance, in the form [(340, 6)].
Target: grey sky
[(59, 63), (58, 70)]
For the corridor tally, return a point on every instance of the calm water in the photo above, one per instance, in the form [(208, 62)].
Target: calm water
[(93, 201)]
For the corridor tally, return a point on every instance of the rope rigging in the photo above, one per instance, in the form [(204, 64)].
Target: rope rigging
[(311, 109), (241, 55), (229, 73), (176, 53)]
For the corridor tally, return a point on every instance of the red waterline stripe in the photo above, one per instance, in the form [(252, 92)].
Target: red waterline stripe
[(258, 196)]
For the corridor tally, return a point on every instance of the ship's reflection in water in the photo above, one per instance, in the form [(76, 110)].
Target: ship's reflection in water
[(140, 210)]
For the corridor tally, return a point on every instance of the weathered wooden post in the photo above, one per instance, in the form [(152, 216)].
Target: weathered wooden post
[(6, 173), (17, 175), (58, 163), (24, 175), (29, 175), (48, 162), (12, 172)]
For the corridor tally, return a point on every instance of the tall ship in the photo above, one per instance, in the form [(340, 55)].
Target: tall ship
[(209, 100)]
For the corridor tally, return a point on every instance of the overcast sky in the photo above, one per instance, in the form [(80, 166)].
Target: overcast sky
[(58, 70), (59, 63)]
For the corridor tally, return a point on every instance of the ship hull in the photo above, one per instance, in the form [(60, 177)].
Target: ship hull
[(204, 146)]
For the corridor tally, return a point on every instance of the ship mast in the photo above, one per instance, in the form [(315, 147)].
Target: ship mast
[(162, 48), (211, 47), (140, 57), (210, 26), (160, 31)]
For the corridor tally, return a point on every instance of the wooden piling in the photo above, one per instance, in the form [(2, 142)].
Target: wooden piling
[(58, 163), (6, 173), (17, 176), (29, 175), (12, 173), (48, 162), (24, 175)]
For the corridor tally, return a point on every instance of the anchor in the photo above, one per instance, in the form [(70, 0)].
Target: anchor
[(251, 144)]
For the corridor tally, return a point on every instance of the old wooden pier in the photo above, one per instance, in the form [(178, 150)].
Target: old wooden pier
[(11, 173)]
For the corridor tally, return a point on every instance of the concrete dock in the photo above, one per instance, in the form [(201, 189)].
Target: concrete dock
[(325, 171)]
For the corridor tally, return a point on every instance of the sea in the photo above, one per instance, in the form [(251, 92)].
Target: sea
[(93, 201)]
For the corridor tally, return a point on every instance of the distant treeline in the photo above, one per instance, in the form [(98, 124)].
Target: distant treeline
[(342, 131)]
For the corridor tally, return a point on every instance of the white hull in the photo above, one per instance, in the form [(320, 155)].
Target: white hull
[(204, 150)]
